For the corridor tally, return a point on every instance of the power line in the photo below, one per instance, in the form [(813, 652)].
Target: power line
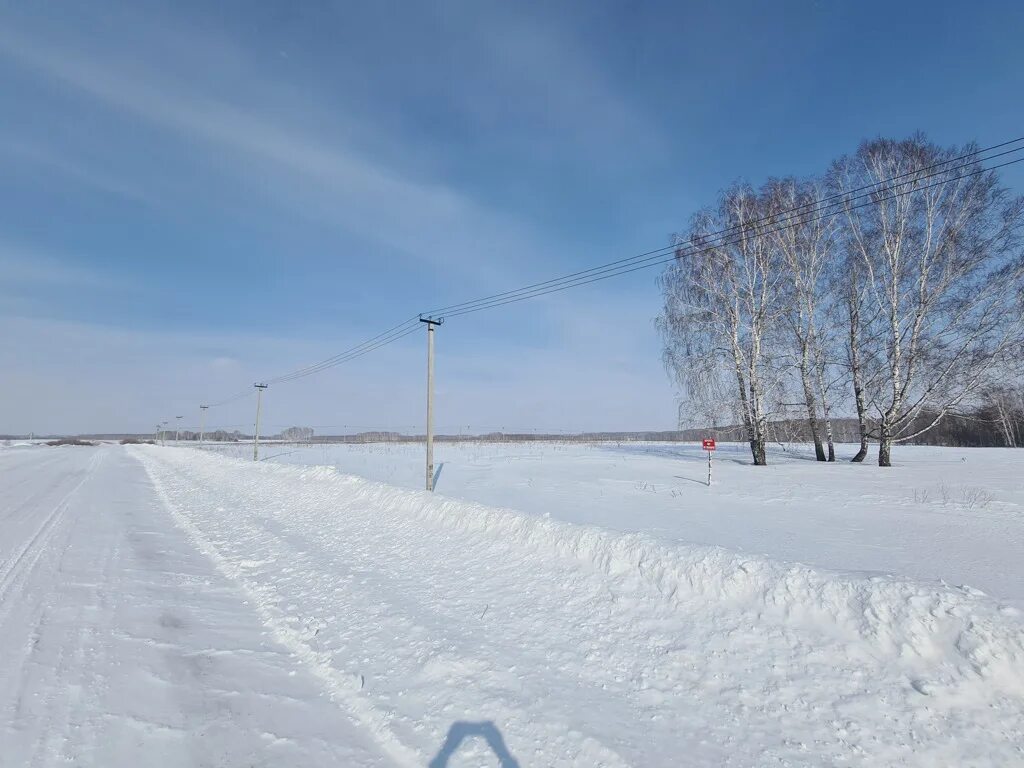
[(651, 258), (655, 257), (380, 340), (356, 350), (591, 276), (446, 310), (231, 399), (359, 351)]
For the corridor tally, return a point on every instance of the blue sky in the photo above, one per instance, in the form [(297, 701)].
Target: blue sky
[(194, 196)]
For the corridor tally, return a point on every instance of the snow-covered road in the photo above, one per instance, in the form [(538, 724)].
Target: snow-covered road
[(170, 607), (121, 645)]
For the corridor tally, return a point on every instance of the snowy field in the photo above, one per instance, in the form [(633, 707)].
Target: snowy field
[(550, 606), (942, 513)]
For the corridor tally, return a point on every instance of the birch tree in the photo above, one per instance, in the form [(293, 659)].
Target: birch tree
[(803, 232), (1007, 409), (851, 318), (722, 311), (941, 267)]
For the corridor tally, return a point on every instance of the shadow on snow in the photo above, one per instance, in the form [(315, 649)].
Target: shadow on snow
[(460, 731)]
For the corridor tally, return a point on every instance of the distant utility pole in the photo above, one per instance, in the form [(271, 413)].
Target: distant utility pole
[(156, 435), (256, 437), (431, 322), (202, 423), (163, 433), (177, 430)]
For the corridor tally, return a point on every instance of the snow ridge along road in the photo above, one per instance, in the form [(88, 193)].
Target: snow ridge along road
[(590, 648)]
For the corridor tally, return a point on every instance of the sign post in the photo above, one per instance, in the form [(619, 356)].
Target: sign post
[(709, 446)]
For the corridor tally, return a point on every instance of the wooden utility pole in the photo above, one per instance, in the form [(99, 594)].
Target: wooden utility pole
[(431, 322), (256, 435), (202, 423)]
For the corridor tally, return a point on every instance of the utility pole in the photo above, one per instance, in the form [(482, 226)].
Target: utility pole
[(156, 435), (256, 437), (177, 430), (431, 322), (202, 423), (163, 433)]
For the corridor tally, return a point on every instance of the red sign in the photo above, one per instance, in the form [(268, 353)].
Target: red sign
[(709, 444)]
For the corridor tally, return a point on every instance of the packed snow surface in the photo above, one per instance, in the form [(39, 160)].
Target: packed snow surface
[(121, 645), (175, 607)]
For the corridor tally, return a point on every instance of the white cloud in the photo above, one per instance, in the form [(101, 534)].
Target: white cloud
[(35, 154), (277, 140), (538, 74), (24, 266), (426, 220)]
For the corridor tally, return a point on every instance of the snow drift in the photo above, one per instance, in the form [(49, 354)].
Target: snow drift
[(960, 626), (935, 622), (630, 647)]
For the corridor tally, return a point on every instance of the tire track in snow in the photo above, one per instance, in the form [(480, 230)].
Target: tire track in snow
[(339, 686), (16, 574), (22, 563), (28, 477), (34, 496), (78, 703)]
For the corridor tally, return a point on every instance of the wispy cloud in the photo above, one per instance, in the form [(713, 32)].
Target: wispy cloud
[(538, 74), (280, 145), (427, 220), (36, 155), (24, 266)]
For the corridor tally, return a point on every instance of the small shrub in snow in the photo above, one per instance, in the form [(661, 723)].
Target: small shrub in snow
[(971, 498), (976, 497)]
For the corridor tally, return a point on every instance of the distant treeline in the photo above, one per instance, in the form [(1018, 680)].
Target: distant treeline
[(999, 421)]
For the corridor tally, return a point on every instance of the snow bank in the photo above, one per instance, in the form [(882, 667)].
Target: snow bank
[(956, 633), (955, 515)]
